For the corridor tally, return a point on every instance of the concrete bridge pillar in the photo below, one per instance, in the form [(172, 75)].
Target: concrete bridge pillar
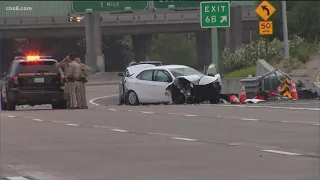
[(203, 40), (234, 34), (141, 46), (94, 56)]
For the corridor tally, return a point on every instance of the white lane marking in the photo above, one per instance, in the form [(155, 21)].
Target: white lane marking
[(169, 113), (119, 130), (190, 115), (101, 97), (11, 116), (183, 139), (145, 112), (16, 178), (274, 107), (102, 127), (282, 152), (39, 120), (73, 125), (130, 110), (233, 144), (112, 109), (162, 134), (316, 124), (249, 119)]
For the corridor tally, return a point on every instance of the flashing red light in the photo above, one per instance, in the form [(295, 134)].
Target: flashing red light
[(30, 58)]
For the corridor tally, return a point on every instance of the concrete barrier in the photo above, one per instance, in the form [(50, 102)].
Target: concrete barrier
[(231, 85)]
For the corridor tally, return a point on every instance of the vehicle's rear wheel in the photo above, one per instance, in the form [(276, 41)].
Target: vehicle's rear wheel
[(59, 105), (132, 98), (11, 106), (4, 105)]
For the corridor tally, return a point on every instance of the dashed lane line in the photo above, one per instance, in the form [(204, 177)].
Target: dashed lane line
[(39, 120), (281, 152), (119, 130), (183, 139), (145, 112), (76, 125), (174, 137), (16, 178), (249, 119), (190, 115), (10, 116)]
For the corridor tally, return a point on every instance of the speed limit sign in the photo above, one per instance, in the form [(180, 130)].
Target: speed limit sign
[(265, 28)]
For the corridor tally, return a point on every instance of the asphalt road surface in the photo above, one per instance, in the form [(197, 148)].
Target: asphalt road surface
[(276, 140)]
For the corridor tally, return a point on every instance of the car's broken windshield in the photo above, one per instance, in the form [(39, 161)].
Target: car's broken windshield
[(184, 72)]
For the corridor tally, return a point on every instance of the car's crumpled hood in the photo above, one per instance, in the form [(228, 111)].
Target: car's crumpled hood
[(137, 68), (200, 79)]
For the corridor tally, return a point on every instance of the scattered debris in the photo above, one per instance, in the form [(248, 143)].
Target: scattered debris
[(254, 101)]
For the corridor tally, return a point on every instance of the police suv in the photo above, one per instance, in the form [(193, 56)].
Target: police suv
[(33, 80)]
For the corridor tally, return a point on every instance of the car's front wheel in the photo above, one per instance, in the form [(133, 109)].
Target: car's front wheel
[(11, 106), (132, 98), (4, 105)]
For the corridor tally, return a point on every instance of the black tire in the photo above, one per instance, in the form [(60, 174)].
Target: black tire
[(121, 101), (11, 106), (4, 105), (61, 105), (132, 98), (215, 100)]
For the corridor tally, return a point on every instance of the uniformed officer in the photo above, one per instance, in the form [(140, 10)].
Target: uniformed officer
[(64, 64), (82, 83), (72, 80)]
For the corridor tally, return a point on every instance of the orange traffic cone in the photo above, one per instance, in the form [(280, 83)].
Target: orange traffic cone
[(234, 99), (243, 94), (294, 93)]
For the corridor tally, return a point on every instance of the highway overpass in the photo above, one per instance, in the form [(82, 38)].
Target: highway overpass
[(112, 24)]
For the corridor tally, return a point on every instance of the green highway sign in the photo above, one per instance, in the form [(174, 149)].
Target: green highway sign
[(163, 4), (215, 14), (109, 6)]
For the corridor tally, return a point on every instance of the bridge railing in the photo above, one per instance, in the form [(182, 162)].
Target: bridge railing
[(110, 19)]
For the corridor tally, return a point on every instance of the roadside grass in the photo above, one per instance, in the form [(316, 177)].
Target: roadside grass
[(242, 72)]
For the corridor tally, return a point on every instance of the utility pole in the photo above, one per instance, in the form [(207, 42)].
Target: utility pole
[(285, 30)]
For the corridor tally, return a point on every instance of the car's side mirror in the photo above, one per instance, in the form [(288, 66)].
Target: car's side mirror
[(120, 74), (211, 74), (4, 74)]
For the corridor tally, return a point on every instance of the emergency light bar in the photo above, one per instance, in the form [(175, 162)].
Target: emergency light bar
[(32, 57)]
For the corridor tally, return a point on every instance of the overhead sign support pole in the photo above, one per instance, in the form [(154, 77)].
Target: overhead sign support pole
[(214, 15)]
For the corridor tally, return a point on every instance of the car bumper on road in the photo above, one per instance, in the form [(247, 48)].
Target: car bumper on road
[(35, 97)]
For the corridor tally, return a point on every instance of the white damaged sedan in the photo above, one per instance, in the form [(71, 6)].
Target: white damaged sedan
[(171, 83)]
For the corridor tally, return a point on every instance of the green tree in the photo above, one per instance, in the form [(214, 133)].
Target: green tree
[(174, 49)]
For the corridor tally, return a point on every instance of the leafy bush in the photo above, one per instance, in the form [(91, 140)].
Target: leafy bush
[(303, 55), (242, 73), (247, 55)]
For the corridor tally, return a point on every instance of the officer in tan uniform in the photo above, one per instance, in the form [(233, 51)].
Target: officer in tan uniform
[(82, 83), (64, 64), (72, 80)]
